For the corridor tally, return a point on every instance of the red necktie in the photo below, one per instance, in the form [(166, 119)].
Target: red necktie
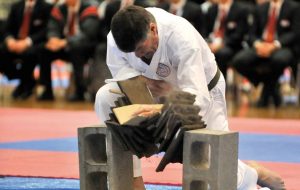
[(220, 31), (270, 28), (71, 27), (24, 30)]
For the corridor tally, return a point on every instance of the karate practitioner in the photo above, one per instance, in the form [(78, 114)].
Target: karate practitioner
[(169, 52)]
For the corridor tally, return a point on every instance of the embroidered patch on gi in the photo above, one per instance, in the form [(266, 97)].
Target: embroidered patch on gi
[(163, 70)]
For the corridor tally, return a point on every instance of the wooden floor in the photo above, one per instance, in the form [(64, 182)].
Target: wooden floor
[(241, 108)]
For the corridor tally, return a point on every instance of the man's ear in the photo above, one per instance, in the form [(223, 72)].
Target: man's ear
[(153, 28)]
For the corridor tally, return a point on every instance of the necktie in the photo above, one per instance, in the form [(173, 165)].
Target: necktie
[(71, 27), (221, 29), (270, 28), (24, 30)]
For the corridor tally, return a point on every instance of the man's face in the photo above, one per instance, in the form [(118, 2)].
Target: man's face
[(148, 47)]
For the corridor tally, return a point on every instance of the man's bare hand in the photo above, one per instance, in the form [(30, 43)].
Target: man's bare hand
[(265, 49), (21, 46), (11, 44), (55, 44), (214, 47), (17, 46)]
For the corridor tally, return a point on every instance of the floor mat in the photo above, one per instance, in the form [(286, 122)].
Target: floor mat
[(43, 143), (16, 183)]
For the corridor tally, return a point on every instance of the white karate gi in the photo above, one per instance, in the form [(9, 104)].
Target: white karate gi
[(184, 60)]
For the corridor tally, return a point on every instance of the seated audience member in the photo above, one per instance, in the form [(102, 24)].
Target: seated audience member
[(24, 35), (273, 35), (226, 26), (189, 10), (72, 33)]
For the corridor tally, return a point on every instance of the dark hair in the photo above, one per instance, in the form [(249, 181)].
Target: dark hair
[(129, 26)]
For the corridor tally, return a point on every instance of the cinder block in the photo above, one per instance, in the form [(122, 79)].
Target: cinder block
[(103, 165), (210, 160)]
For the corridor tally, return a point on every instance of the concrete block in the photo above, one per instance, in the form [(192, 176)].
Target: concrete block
[(120, 166), (210, 160), (103, 165)]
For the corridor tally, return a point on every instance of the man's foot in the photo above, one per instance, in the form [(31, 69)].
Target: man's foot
[(47, 95), (26, 94), (138, 183), (28, 89), (18, 91), (23, 90), (267, 178)]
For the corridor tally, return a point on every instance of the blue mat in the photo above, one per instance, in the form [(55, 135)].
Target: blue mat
[(271, 148), (59, 144), (16, 183), (251, 147)]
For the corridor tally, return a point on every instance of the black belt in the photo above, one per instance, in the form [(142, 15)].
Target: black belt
[(215, 80)]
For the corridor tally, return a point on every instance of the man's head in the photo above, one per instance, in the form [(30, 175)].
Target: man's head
[(134, 30)]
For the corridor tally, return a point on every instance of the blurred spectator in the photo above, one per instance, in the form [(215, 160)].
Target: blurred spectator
[(274, 34), (5, 6), (24, 35), (104, 25), (72, 32), (189, 10), (226, 27)]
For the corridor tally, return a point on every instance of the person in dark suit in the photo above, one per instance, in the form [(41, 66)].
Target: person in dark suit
[(273, 36), (226, 27), (189, 10), (24, 36), (72, 34)]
